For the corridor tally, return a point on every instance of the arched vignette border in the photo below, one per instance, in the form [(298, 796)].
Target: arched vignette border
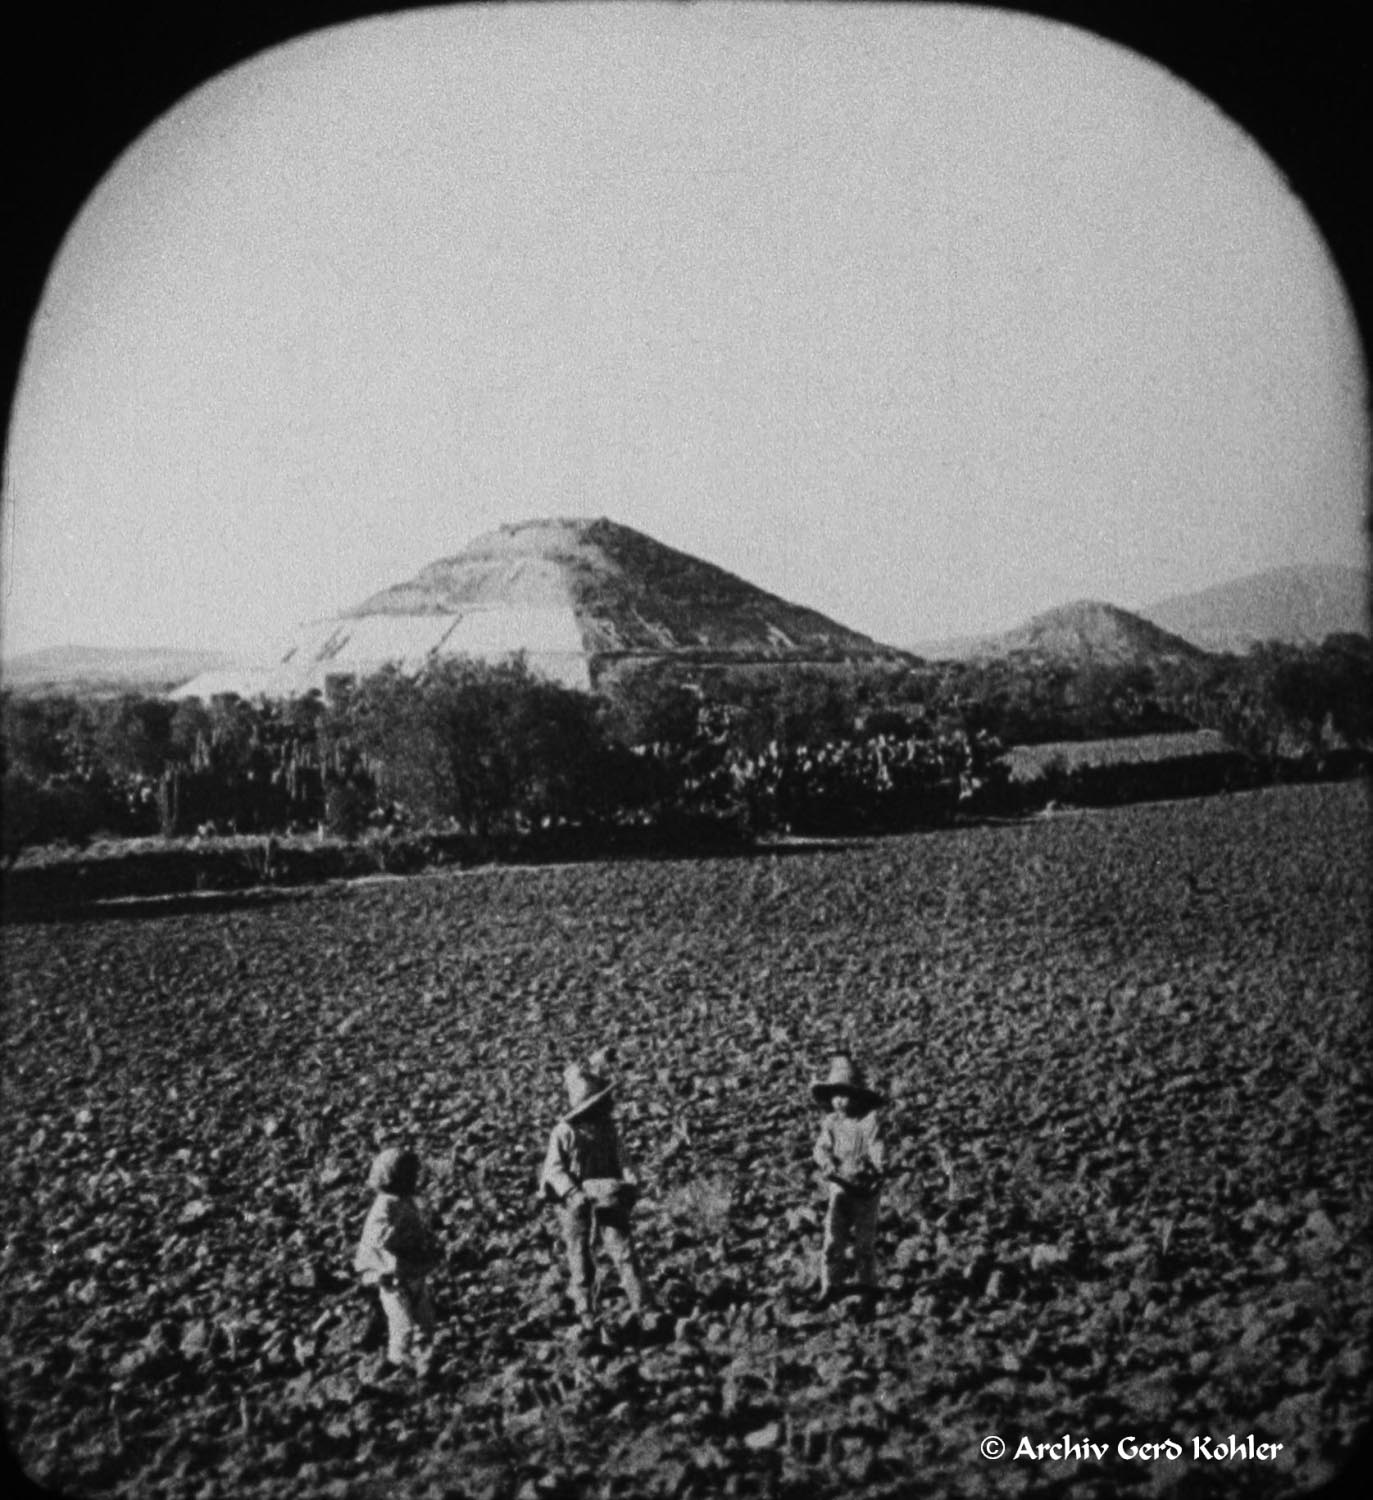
[(86, 85), (86, 79)]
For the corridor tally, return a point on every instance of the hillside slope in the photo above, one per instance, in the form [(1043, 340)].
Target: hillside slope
[(1300, 605)]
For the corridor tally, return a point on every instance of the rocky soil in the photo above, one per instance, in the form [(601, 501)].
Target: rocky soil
[(1129, 1060)]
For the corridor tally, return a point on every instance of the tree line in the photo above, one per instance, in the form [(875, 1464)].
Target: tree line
[(491, 749)]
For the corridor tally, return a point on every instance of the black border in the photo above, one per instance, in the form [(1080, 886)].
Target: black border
[(85, 80)]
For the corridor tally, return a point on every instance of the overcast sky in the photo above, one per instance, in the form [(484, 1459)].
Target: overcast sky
[(928, 318)]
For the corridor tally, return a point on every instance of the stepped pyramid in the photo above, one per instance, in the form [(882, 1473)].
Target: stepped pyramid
[(1089, 630), (582, 599)]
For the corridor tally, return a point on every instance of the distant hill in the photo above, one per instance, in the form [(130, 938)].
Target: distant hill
[(582, 599), (1078, 633), (104, 671), (1299, 605)]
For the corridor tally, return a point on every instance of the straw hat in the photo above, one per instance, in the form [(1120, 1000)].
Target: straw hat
[(395, 1170), (846, 1077), (585, 1089)]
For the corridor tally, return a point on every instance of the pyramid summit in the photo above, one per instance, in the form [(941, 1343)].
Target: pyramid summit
[(582, 599), (1087, 631), (1090, 630)]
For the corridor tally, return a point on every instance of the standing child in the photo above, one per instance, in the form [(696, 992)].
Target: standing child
[(850, 1156), (585, 1174), (397, 1252)]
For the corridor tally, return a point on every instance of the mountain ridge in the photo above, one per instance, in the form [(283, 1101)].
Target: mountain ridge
[(1299, 604), (641, 596), (78, 669)]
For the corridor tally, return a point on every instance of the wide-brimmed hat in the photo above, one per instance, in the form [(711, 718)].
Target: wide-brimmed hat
[(585, 1089), (395, 1170), (846, 1077)]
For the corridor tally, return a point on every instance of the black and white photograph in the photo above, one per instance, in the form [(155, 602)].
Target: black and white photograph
[(686, 697)]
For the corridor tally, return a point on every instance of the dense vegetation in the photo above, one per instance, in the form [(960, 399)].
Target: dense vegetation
[(1128, 1058), (485, 749), (493, 750), (1275, 702)]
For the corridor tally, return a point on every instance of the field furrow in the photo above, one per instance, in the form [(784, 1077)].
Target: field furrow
[(1128, 1057)]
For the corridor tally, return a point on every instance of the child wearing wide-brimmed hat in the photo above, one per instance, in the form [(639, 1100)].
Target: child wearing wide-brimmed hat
[(850, 1156), (586, 1175), (397, 1252)]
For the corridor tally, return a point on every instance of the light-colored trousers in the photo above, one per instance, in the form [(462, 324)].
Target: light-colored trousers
[(850, 1225), (409, 1313), (579, 1223)]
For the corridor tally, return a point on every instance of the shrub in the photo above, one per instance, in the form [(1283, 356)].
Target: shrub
[(20, 814), (492, 748), (62, 813), (346, 810)]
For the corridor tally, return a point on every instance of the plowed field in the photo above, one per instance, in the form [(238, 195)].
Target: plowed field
[(1129, 1060)]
